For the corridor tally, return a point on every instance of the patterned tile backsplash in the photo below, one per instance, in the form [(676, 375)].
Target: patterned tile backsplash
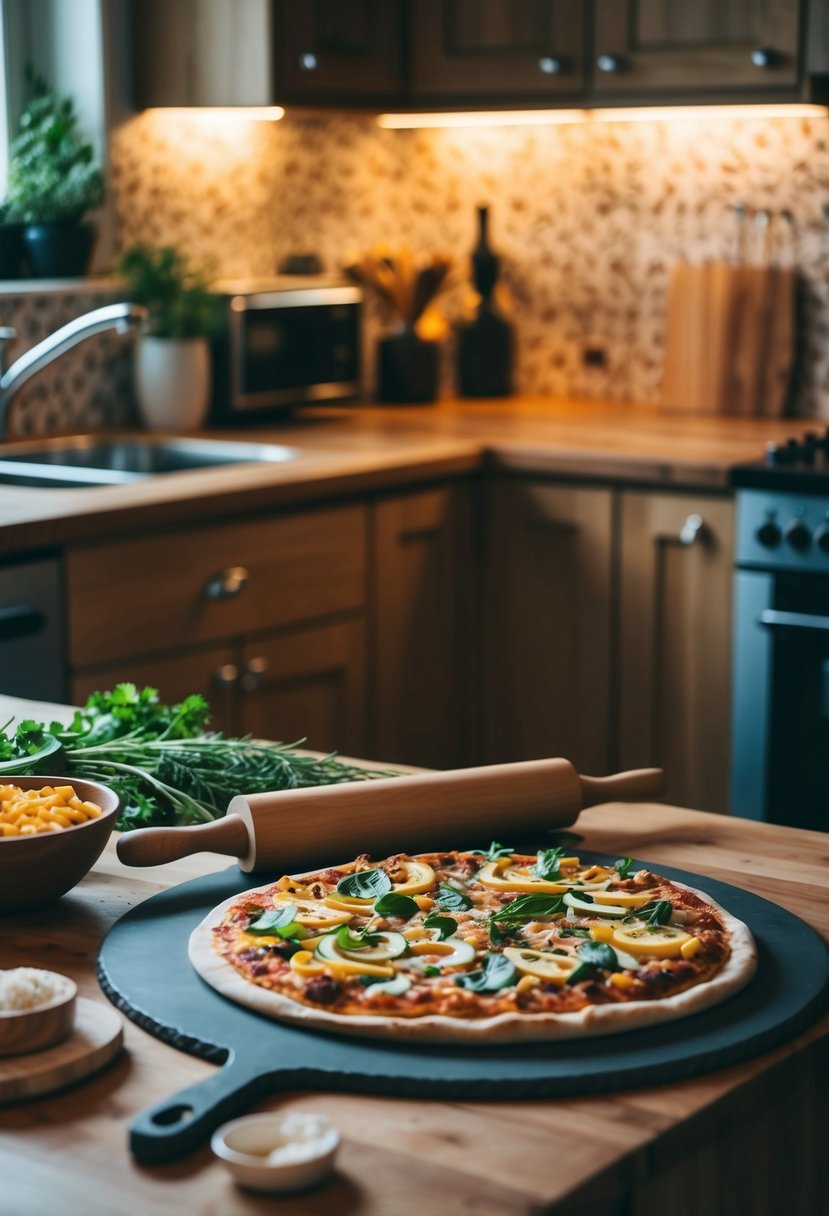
[(587, 218)]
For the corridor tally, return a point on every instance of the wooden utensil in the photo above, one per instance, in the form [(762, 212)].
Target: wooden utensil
[(703, 318), (96, 1039), (428, 810)]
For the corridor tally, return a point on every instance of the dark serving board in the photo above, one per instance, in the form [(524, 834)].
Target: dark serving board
[(144, 969)]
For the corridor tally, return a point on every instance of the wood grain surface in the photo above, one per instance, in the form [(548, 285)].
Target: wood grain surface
[(95, 1040), (746, 1141)]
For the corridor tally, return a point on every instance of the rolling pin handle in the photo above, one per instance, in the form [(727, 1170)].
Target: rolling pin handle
[(633, 786), (156, 846)]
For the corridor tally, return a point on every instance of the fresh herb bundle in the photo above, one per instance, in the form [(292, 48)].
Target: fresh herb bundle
[(161, 760)]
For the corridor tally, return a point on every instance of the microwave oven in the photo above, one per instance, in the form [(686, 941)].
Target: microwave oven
[(283, 343)]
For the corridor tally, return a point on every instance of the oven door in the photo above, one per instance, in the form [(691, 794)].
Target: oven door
[(780, 767)]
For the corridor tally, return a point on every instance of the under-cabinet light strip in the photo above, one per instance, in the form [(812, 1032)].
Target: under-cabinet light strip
[(521, 118)]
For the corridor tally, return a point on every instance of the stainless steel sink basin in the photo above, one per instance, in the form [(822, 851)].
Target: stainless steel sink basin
[(90, 460)]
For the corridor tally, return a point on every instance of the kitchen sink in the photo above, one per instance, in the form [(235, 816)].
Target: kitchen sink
[(89, 460)]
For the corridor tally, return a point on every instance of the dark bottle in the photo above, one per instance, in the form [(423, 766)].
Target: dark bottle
[(485, 344)]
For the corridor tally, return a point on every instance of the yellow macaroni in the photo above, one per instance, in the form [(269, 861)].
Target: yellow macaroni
[(50, 809)]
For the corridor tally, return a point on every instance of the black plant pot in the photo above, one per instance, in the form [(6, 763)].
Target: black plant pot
[(407, 368), (11, 251), (59, 251)]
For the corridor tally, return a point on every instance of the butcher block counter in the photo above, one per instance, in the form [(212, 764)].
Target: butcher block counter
[(746, 1140), (353, 450)]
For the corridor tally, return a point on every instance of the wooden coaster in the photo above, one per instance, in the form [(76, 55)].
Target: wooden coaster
[(96, 1039)]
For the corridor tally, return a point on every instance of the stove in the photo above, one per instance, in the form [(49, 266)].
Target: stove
[(780, 721)]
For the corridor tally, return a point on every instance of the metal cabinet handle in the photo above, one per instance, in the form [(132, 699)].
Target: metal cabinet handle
[(765, 57), (772, 618), (308, 62), (227, 583), (693, 530), (254, 673), (611, 65), (226, 676), (552, 65)]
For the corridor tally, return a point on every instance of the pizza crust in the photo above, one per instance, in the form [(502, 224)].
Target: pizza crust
[(510, 1027)]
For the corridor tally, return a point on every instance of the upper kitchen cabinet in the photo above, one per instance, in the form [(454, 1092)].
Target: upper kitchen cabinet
[(329, 51), (202, 52), (482, 51), (671, 49)]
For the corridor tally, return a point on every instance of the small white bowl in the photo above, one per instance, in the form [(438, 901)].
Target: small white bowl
[(274, 1152)]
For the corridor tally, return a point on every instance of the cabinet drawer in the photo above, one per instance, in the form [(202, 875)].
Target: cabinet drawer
[(167, 591)]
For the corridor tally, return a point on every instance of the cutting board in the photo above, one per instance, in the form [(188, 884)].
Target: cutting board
[(96, 1039), (144, 969), (730, 340)]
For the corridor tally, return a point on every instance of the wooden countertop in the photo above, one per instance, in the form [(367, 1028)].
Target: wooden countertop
[(362, 448), (681, 1148)]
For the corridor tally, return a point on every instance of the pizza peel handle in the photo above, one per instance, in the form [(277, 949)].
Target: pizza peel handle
[(426, 811)]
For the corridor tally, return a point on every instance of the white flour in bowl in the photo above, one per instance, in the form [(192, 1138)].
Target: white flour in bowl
[(28, 987)]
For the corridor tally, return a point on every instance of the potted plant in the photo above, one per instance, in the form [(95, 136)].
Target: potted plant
[(11, 243), (54, 182), (172, 356)]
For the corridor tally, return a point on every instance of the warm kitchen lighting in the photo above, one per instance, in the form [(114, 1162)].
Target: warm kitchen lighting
[(222, 113), (522, 118)]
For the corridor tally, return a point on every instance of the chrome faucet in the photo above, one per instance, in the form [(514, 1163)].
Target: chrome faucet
[(120, 317)]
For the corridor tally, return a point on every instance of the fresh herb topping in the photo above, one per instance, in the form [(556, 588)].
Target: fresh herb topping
[(496, 972), (575, 932), (430, 970), (494, 852), (658, 912), (445, 925), (529, 907), (593, 958), (451, 899), (280, 922), (392, 904), (346, 940), (547, 865), (365, 884), (623, 866)]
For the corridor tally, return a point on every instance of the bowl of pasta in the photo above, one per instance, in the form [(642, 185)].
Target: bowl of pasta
[(52, 831)]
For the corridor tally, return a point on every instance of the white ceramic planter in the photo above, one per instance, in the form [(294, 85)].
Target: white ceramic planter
[(172, 382)]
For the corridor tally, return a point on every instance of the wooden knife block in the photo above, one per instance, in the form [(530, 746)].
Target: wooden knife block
[(730, 340)]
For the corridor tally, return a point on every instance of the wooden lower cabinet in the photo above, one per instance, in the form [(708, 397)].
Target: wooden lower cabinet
[(424, 627), (547, 636), (675, 642), (307, 684)]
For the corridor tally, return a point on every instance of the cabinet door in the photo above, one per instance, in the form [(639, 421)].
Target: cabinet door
[(487, 50), (675, 644), (547, 635), (202, 53), (214, 673), (338, 49), (309, 684), (670, 47), (423, 632)]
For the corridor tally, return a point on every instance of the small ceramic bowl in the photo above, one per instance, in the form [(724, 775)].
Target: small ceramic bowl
[(36, 870), (25, 1030), (275, 1152)]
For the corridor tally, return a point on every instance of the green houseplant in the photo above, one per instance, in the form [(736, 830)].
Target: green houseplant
[(54, 183), (172, 357), (11, 244)]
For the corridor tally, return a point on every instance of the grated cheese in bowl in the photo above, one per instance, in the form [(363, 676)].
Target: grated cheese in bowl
[(28, 988)]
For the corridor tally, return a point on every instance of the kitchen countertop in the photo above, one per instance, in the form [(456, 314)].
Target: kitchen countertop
[(347, 450), (675, 1148)]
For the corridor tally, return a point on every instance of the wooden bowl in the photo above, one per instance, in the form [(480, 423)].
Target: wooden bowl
[(36, 870), (25, 1030)]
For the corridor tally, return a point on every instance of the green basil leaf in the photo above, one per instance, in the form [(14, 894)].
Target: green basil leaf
[(365, 884), (576, 932), (346, 940), (274, 921), (547, 863), (584, 972), (451, 899), (496, 972), (658, 912), (444, 924), (623, 866), (528, 907), (392, 904), (494, 852), (430, 970), (599, 954)]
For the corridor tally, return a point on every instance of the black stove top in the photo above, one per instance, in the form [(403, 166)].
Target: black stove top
[(799, 466)]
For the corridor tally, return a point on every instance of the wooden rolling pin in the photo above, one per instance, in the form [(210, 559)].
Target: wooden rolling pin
[(453, 809)]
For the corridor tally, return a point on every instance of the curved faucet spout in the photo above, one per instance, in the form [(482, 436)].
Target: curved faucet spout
[(120, 317)]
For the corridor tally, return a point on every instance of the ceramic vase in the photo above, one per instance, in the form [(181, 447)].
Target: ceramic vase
[(172, 382), (60, 250)]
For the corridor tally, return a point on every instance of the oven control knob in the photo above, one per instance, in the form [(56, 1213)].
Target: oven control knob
[(798, 535), (822, 538), (769, 534)]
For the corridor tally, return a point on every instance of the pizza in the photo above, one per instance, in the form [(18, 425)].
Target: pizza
[(452, 946)]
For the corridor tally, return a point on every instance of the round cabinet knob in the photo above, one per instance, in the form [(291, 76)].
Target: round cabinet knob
[(769, 534), (254, 673), (226, 676), (693, 530), (308, 62), (798, 536), (551, 65), (765, 57), (822, 538), (611, 65), (227, 583)]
